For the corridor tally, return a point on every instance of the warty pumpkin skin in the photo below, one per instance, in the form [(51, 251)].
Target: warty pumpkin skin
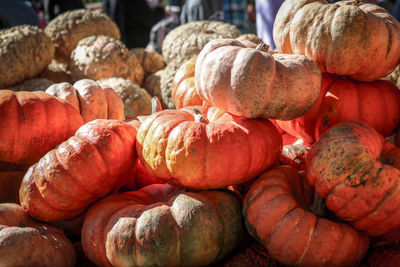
[(357, 172), (252, 83), (24, 242), (206, 148), (161, 226), (376, 103), (347, 38), (276, 214), (33, 123), (86, 167)]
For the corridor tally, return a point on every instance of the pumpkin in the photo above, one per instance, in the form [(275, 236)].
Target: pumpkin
[(276, 214), (140, 178), (98, 57), (34, 84), (159, 225), (344, 99), (92, 100), (386, 254), (56, 72), (24, 242), (94, 162), (183, 91), (357, 172), (68, 28), (137, 101), (206, 148), (25, 51), (347, 38), (33, 123), (250, 37), (394, 76), (250, 255), (295, 155), (187, 40), (10, 181), (252, 83), (150, 61)]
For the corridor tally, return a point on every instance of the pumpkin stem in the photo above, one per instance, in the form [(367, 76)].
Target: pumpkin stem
[(155, 105), (262, 47), (198, 117), (318, 206)]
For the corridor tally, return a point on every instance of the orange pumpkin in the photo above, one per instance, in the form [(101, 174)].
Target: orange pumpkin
[(376, 103), (25, 242), (33, 123), (357, 172), (347, 38), (204, 148), (94, 162), (276, 214), (249, 82)]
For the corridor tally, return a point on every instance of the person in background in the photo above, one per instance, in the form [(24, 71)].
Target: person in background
[(17, 12), (53, 8), (235, 12), (195, 10), (134, 19), (396, 10), (266, 11), (251, 13)]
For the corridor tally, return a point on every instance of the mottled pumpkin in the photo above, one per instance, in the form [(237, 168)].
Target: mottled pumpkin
[(150, 61), (295, 155), (33, 123), (252, 83), (347, 38), (99, 57), (357, 172), (203, 148), (68, 28), (24, 242), (57, 72), (276, 214), (92, 100), (159, 225), (94, 162), (25, 51)]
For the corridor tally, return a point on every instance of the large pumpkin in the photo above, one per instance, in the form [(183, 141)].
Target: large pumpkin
[(202, 148), (161, 226), (346, 38), (252, 83), (92, 100), (376, 103), (357, 172), (33, 123), (86, 167), (24, 242), (276, 214)]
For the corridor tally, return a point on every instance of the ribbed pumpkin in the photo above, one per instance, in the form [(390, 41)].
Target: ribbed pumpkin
[(33, 123), (276, 214), (357, 172), (348, 38), (92, 100), (86, 167), (252, 83), (24, 242), (161, 226), (205, 148), (376, 103)]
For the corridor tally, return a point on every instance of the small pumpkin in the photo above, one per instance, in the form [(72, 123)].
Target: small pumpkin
[(206, 148), (276, 214), (249, 82), (159, 225), (94, 162), (376, 103), (357, 172), (349, 38), (24, 242), (33, 123), (151, 61)]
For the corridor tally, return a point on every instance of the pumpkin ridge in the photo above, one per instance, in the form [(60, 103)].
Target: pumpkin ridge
[(310, 239)]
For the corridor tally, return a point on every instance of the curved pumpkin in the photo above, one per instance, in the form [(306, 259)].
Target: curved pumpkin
[(86, 167), (92, 100), (203, 148), (249, 82), (276, 214), (33, 123), (347, 38), (376, 103), (161, 226), (357, 172), (24, 242), (295, 155), (140, 178)]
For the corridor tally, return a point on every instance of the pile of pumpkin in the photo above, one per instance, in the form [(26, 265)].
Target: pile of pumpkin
[(136, 185)]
